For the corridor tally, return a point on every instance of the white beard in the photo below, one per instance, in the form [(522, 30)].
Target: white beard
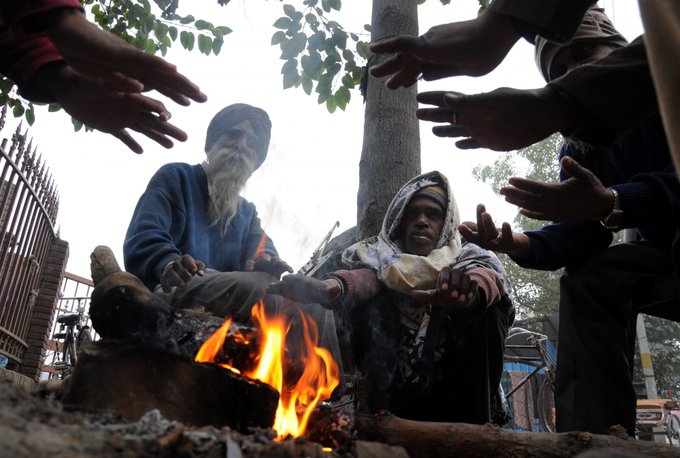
[(228, 172)]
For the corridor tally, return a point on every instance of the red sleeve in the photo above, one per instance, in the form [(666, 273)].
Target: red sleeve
[(359, 285), (489, 281), (24, 53)]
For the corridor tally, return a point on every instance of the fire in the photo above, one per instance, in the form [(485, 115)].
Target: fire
[(297, 400)]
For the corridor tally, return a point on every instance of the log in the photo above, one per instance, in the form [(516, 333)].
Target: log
[(132, 380), (433, 440)]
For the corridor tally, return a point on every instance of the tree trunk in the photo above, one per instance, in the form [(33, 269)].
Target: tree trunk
[(391, 150)]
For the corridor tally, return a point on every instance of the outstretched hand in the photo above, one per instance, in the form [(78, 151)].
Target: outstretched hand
[(501, 240), (304, 289), (94, 52), (100, 106), (502, 120), (180, 271), (472, 48), (272, 265), (454, 289), (563, 201)]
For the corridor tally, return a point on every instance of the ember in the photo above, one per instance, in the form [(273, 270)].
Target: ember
[(297, 399)]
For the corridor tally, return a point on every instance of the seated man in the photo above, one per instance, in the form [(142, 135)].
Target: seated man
[(427, 313), (602, 189), (193, 239)]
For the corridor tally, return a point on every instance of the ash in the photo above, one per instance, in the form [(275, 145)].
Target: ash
[(34, 423)]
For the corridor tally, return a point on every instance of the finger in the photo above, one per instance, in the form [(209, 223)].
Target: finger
[(404, 78), (539, 215), (130, 142), (431, 97), (433, 72), (450, 131), (533, 186), (423, 295), (435, 114), (470, 143), (468, 232), (399, 43), (506, 233), (120, 82), (574, 169), (275, 288)]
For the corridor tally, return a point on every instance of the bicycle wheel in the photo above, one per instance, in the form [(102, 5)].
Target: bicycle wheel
[(673, 430), (69, 355), (545, 405)]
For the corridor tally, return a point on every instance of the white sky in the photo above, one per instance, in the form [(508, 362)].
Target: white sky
[(310, 178)]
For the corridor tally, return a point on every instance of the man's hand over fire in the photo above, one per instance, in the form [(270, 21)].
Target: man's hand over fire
[(304, 289), (180, 271), (454, 289), (501, 240), (270, 264)]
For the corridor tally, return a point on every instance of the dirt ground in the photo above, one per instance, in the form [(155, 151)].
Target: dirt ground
[(34, 424)]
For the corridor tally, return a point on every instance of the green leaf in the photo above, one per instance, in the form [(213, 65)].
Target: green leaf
[(331, 104), (326, 5), (289, 10), (18, 110), (77, 125), (342, 97), (307, 84), (290, 79), (312, 64), (283, 23), (217, 45), (172, 31), (222, 31), (336, 4), (187, 39), (30, 115), (293, 47), (363, 50), (204, 44), (203, 25), (150, 46), (187, 20), (52, 107), (278, 37), (311, 19)]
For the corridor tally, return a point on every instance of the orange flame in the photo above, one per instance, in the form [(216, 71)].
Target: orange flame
[(296, 400)]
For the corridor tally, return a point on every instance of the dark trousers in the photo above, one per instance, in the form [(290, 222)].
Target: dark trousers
[(594, 388), (466, 379)]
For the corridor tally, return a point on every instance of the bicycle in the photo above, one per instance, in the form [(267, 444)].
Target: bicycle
[(74, 331), (535, 354)]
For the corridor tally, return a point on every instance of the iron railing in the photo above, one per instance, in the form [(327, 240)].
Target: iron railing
[(28, 209)]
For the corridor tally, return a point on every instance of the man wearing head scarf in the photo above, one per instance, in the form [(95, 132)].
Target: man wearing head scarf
[(427, 313), (602, 190), (193, 239)]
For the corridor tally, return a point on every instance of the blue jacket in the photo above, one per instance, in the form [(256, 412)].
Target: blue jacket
[(171, 219), (639, 167)]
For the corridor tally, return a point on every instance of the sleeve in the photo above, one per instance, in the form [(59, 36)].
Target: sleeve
[(615, 94), (358, 286), (149, 244), (25, 52), (563, 244), (556, 20), (489, 281)]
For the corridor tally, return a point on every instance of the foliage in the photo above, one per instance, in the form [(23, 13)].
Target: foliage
[(663, 337), (536, 292)]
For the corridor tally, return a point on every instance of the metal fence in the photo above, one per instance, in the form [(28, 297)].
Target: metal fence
[(28, 209)]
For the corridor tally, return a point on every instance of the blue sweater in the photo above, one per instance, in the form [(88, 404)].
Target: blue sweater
[(639, 167), (171, 219)]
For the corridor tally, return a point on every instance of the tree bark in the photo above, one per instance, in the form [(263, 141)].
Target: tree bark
[(390, 154), (433, 440)]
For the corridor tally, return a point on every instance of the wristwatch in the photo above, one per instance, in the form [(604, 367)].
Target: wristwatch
[(614, 221)]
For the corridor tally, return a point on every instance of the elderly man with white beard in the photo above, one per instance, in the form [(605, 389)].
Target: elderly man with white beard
[(193, 239)]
